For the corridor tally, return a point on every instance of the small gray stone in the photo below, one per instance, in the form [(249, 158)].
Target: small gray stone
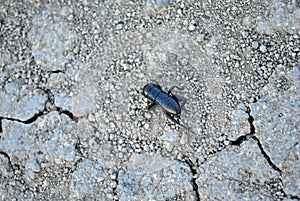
[(255, 44), (263, 49), (120, 25), (200, 38), (191, 27)]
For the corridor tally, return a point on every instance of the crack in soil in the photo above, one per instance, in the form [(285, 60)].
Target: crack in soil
[(250, 120), (12, 166), (1, 130), (115, 188), (266, 156), (45, 111), (295, 197), (68, 113), (58, 109), (39, 114), (6, 156), (241, 139), (195, 175), (246, 137), (28, 121), (251, 135)]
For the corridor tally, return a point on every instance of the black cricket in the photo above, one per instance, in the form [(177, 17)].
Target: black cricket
[(167, 101)]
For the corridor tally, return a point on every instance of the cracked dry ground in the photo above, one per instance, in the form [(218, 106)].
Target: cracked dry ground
[(251, 135), (74, 124)]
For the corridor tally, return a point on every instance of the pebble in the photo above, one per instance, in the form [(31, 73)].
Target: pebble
[(200, 38), (192, 27), (120, 25), (91, 118), (184, 139), (255, 44), (263, 49), (146, 126), (183, 61)]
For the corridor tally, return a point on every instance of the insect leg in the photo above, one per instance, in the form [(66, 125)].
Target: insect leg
[(172, 118), (173, 87), (152, 106), (189, 129), (183, 100)]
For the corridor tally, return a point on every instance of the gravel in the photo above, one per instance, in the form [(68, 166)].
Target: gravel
[(74, 123)]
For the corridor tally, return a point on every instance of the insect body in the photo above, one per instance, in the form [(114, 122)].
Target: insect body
[(166, 100)]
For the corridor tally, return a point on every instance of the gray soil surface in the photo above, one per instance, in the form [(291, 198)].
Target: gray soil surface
[(75, 125)]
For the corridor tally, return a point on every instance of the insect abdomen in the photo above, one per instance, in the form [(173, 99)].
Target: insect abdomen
[(168, 103)]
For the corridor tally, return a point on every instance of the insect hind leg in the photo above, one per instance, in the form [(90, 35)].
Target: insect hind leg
[(173, 87), (172, 119), (182, 99), (180, 123)]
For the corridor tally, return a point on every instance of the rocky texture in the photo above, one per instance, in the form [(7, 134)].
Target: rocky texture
[(291, 175), (79, 98), (75, 125), (151, 176), (45, 142), (19, 102), (238, 173), (277, 117), (92, 181), (51, 38)]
